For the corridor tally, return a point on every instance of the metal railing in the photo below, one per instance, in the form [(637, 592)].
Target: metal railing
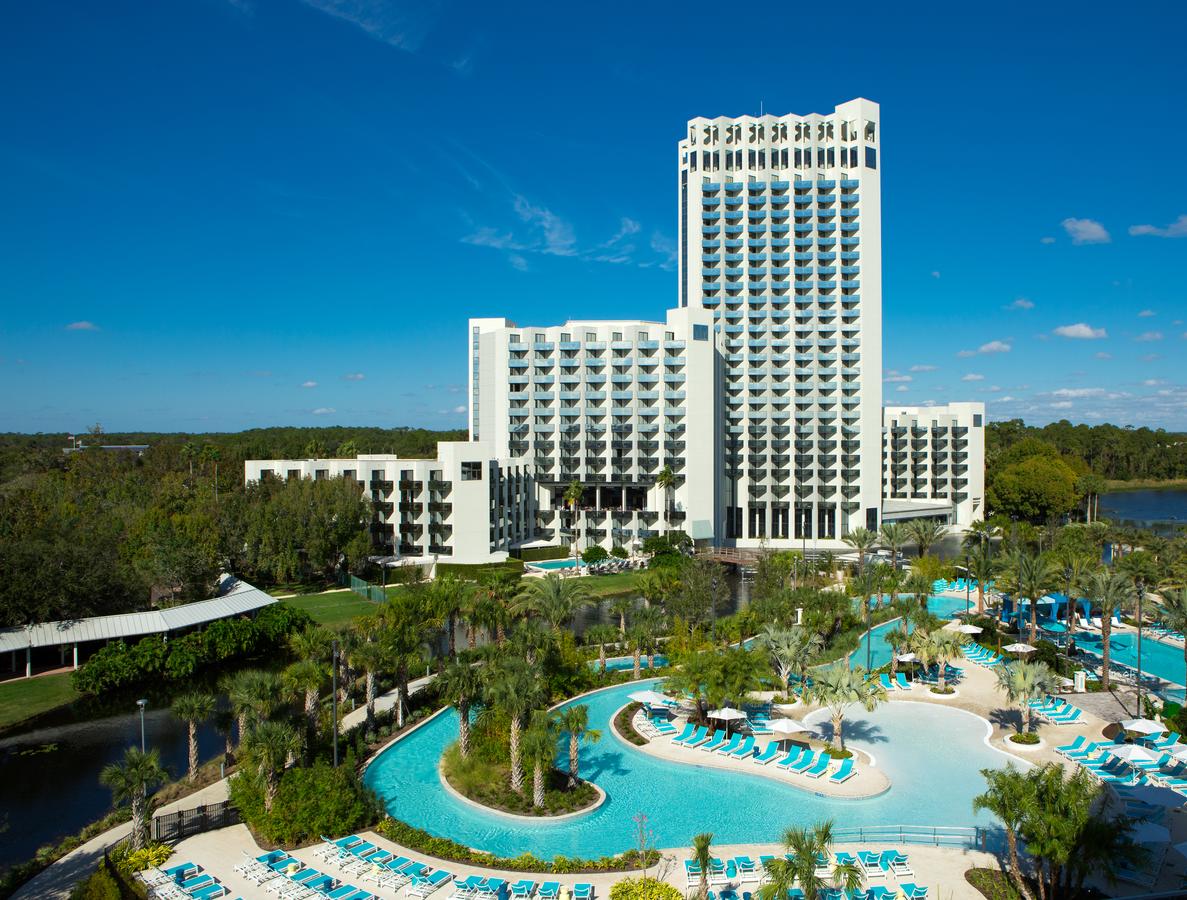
[(175, 826), (972, 837)]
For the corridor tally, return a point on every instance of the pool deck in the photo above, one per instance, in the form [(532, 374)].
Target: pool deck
[(869, 781)]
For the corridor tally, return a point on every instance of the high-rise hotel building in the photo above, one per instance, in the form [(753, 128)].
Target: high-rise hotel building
[(761, 391), (780, 236)]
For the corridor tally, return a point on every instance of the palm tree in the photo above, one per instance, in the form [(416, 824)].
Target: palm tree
[(892, 536), (269, 746), (460, 684), (130, 782), (981, 567), (1074, 567), (838, 687), (1110, 591), (372, 657), (805, 847), (620, 607), (539, 751), (496, 594), (666, 481), (790, 649), (305, 678), (1173, 610), (192, 709), (553, 598), (940, 647), (212, 454), (447, 597), (572, 497), (515, 688), (925, 533), (1007, 797), (601, 635), (863, 541), (979, 535), (656, 584), (702, 858), (899, 640), (254, 696), (189, 452), (1034, 577), (574, 721), (1023, 682)]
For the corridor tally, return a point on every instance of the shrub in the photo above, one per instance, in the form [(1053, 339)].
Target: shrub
[(619, 551), (533, 554), (129, 861), (1026, 737), (100, 885), (309, 802), (644, 889), (594, 554)]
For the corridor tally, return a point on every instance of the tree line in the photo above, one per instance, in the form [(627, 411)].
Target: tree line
[(1108, 451)]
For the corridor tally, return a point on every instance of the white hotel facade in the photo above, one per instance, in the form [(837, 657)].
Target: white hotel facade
[(761, 391)]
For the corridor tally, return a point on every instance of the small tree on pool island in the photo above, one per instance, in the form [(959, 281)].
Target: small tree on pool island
[(838, 687)]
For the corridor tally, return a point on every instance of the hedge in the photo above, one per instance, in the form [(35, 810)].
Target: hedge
[(443, 848), (120, 664), (644, 889), (534, 554)]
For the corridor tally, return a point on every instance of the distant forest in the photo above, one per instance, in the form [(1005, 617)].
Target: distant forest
[(1120, 454)]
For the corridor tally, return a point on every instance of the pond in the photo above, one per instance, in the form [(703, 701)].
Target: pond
[(1163, 510)]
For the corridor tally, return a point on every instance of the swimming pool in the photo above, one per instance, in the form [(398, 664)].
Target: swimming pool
[(553, 565), (1158, 657), (933, 784), (623, 663), (943, 607)]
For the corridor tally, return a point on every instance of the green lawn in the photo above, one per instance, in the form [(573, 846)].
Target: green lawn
[(612, 585), (334, 608), (23, 698)]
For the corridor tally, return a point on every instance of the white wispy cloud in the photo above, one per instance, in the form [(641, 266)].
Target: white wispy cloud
[(556, 233), (965, 354), (84, 325), (1147, 314), (1079, 392), (354, 376), (895, 377), (1175, 229), (1061, 404), (995, 347), (1147, 336), (1020, 303), (902, 388), (973, 376), (923, 368), (1153, 382), (1103, 355), (518, 262), (324, 411), (1085, 231), (1081, 331), (935, 274), (309, 384), (1045, 240), (402, 25)]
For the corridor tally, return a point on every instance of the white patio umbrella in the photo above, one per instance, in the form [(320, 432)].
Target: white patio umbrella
[(786, 726), (1018, 648), (907, 657), (1180, 754), (1132, 753), (726, 713), (966, 628), (1143, 726), (651, 698)]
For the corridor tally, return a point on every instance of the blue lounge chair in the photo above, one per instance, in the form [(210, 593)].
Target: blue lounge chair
[(209, 891), (688, 732), (885, 681), (793, 756), (871, 864), (550, 890), (897, 863), (582, 891), (1165, 742), (877, 892), (731, 745), (522, 889), (491, 888), (322, 883), (341, 893), (467, 887), (423, 886), (822, 764), (747, 869), (901, 680), (181, 869), (1078, 744), (912, 890), (746, 748), (805, 762), (692, 872), (769, 753), (844, 773), (701, 737), (718, 741), (194, 882)]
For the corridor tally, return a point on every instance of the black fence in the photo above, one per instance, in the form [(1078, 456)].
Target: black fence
[(175, 826)]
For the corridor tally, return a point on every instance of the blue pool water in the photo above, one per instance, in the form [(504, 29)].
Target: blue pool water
[(553, 564), (624, 663), (933, 784), (1158, 657), (879, 650)]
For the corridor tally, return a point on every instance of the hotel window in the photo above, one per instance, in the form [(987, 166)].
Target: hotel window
[(471, 471), (871, 158)]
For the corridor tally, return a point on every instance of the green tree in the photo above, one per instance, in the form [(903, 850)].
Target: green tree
[(799, 867), (1023, 682), (926, 533), (982, 568), (372, 658), (863, 541), (130, 781), (791, 650), (601, 635), (193, 709), (1109, 591), (574, 722), (269, 747), (900, 643), (1036, 489), (622, 607), (254, 696), (1008, 797), (572, 498), (539, 751), (702, 858), (666, 480), (892, 536), (448, 596), (940, 647), (460, 685), (840, 688), (1173, 612), (515, 688), (552, 598)]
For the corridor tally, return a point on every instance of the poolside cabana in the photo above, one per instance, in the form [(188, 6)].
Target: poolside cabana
[(1052, 607), (235, 598)]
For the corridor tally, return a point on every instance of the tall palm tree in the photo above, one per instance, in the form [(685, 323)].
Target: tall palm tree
[(791, 650), (940, 647), (1007, 796), (979, 536), (305, 679), (1034, 577), (666, 481), (574, 721), (601, 635), (1173, 610), (192, 709), (621, 607), (1073, 568), (212, 454), (552, 598), (372, 657), (254, 696), (448, 597), (515, 688), (189, 452), (130, 782), (925, 533), (805, 847), (572, 497), (270, 745), (1023, 682), (863, 541), (497, 592), (981, 567), (461, 684), (539, 751), (1111, 592), (702, 858), (655, 585), (899, 640), (892, 536), (839, 688)]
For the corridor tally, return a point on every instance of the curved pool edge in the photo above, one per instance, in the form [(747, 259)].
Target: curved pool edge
[(519, 817), (403, 734)]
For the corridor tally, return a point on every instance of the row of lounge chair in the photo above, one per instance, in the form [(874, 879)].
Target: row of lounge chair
[(874, 866), (1163, 631), (1057, 711), (941, 585), (1095, 757), (798, 760), (289, 878), (982, 656), (183, 881), (899, 682), (610, 566)]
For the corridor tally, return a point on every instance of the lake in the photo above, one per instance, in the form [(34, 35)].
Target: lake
[(1148, 508)]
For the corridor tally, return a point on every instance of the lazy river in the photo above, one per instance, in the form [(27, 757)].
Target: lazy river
[(932, 754)]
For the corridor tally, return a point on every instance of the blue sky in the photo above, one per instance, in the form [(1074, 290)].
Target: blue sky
[(219, 214)]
